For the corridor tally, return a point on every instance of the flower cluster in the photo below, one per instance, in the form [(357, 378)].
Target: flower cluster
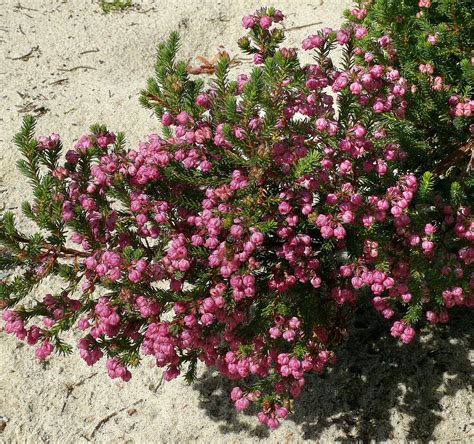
[(248, 234), (431, 44)]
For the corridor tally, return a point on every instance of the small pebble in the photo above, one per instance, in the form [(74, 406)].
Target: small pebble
[(3, 423)]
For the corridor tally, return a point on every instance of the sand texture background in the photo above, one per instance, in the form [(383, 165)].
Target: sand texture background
[(71, 65)]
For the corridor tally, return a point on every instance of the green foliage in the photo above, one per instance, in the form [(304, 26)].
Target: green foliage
[(427, 185), (307, 164), (108, 6), (171, 89), (414, 313), (221, 81), (27, 146), (457, 194), (191, 372)]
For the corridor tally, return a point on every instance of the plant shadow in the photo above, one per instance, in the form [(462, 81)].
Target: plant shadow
[(373, 377)]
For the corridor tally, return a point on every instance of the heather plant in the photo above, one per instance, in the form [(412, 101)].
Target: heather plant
[(247, 234), (431, 43)]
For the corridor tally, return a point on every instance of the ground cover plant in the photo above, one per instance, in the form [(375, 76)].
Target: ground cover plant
[(108, 6), (269, 210)]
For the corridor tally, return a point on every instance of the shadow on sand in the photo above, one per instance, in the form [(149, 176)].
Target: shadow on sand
[(374, 375)]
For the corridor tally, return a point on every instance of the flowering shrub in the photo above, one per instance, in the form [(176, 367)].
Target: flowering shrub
[(249, 232)]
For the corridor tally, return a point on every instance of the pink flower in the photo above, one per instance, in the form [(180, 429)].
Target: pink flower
[(289, 335), (167, 119), (45, 349), (355, 88), (368, 57), (278, 16), (203, 100), (361, 32), (342, 36), (273, 423), (345, 167), (266, 22), (384, 41), (183, 118), (248, 22), (284, 208), (241, 404), (433, 39), (313, 41), (236, 394), (258, 59), (407, 335)]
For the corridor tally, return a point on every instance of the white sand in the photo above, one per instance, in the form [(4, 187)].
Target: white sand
[(423, 392)]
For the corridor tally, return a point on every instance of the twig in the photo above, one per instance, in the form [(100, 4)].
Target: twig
[(58, 82), (89, 50), (70, 389), (32, 107), (160, 383), (141, 11), (76, 68), (26, 57), (20, 6), (50, 248), (456, 157), (109, 417), (294, 28), (220, 18)]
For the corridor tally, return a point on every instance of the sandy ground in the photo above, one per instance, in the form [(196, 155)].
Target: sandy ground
[(71, 65)]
